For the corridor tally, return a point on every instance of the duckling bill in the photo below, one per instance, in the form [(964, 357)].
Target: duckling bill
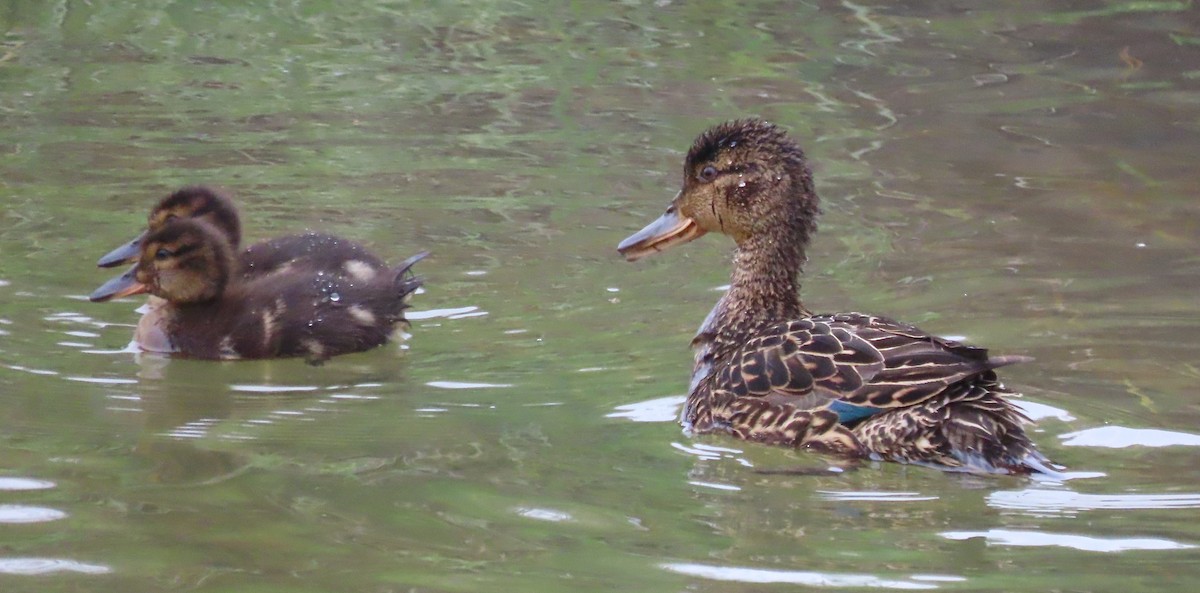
[(767, 369), (204, 307)]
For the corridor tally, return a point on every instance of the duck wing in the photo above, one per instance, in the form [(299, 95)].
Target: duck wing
[(916, 365), (856, 365), (806, 363)]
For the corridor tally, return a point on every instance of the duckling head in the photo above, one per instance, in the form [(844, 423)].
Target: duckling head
[(744, 178), (186, 262), (198, 202)]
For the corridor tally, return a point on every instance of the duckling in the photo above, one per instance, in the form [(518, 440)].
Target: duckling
[(316, 250), (209, 309), (767, 369)]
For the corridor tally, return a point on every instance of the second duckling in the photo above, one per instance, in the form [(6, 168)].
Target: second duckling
[(209, 310), (201, 202)]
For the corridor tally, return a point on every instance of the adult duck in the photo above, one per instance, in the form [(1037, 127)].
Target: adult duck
[(768, 370), (208, 309)]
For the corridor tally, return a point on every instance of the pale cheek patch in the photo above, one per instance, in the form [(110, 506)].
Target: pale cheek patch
[(314, 347), (359, 270), (362, 315)]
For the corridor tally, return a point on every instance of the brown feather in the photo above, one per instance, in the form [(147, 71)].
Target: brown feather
[(768, 370), (294, 311)]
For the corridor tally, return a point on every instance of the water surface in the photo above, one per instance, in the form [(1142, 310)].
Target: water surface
[(1022, 176)]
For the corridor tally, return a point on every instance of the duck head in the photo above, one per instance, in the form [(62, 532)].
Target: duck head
[(744, 178), (186, 261), (199, 202)]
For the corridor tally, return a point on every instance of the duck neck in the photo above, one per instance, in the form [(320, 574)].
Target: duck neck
[(764, 289)]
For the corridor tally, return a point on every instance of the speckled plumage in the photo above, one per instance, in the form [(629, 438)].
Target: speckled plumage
[(212, 312), (311, 294), (311, 250), (768, 370)]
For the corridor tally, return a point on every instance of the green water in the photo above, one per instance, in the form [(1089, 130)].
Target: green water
[(1023, 176)]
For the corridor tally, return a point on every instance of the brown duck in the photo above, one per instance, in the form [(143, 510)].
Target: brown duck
[(315, 250), (207, 309), (768, 370)]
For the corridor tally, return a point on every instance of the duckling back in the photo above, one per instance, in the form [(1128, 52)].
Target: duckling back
[(299, 311), (339, 313), (315, 251)]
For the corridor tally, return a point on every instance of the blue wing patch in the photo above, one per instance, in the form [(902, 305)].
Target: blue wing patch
[(849, 413)]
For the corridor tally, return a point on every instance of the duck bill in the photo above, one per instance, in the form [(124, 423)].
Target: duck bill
[(122, 286), (123, 254), (672, 228)]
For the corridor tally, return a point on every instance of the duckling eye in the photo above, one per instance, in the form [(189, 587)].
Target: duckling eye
[(707, 174), (162, 254)]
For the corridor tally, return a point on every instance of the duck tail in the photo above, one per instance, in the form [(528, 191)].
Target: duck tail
[(995, 362), (985, 434), (1022, 459), (971, 428), (1036, 463), (405, 280)]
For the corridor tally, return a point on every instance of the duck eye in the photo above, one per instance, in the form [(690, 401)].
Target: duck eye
[(707, 174), (162, 254)]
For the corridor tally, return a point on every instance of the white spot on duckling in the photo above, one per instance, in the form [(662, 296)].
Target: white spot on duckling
[(227, 351), (270, 321), (362, 315), (359, 270), (314, 347)]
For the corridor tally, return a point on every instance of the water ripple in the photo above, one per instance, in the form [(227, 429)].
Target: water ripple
[(711, 453), (1012, 537), (1037, 411), (743, 574), (875, 496), (715, 485), (82, 334), (1119, 437), (1058, 502), (272, 388), (37, 566), (17, 483), (103, 380), (17, 513), (544, 514), (464, 385), (80, 318), (24, 369), (413, 315), (662, 409), (194, 429)]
